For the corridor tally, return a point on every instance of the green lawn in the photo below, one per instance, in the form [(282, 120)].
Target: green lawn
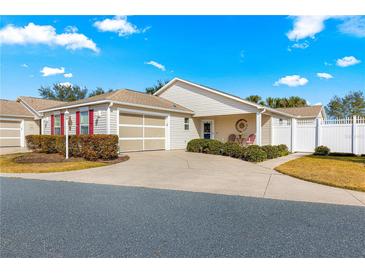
[(340, 171), (8, 165)]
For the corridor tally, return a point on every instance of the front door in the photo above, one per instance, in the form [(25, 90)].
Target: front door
[(207, 130)]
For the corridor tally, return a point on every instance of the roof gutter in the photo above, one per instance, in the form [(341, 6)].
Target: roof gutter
[(113, 102)]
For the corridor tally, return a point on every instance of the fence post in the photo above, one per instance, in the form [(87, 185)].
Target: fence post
[(354, 139), (318, 132), (293, 133)]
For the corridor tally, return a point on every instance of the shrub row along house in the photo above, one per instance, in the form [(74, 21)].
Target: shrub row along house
[(169, 119)]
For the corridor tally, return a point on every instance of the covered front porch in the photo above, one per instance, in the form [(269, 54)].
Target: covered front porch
[(244, 128)]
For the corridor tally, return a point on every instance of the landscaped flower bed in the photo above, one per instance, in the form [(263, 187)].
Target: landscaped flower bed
[(252, 153)]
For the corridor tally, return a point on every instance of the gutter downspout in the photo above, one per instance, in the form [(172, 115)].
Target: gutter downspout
[(108, 118)]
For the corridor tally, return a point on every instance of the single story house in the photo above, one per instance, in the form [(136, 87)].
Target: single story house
[(169, 119), (20, 118)]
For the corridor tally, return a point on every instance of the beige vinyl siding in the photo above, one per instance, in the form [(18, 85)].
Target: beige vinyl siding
[(202, 102), (266, 130), (31, 127), (179, 137)]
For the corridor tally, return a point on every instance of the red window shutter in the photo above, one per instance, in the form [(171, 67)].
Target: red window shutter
[(91, 121), (77, 122), (52, 124), (62, 118)]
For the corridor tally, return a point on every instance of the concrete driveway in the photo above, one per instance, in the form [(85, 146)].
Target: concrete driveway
[(180, 170)]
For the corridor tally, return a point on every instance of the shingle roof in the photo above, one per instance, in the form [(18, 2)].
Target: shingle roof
[(130, 97), (13, 108), (311, 111), (39, 103)]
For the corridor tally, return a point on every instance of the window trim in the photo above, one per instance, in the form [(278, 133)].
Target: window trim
[(84, 124), (186, 123), (54, 124)]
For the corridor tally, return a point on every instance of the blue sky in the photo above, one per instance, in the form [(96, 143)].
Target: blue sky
[(265, 55)]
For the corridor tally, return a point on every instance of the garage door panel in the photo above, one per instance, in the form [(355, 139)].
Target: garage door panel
[(9, 133), (9, 142), (130, 145), (9, 124), (154, 144), (154, 132), (154, 121), (128, 132), (130, 119)]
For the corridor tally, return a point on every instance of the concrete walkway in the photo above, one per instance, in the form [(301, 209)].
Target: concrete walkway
[(11, 150), (179, 170)]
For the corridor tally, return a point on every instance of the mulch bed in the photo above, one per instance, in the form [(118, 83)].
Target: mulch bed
[(36, 157)]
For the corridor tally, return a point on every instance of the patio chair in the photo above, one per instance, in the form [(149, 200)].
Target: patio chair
[(251, 139), (232, 138)]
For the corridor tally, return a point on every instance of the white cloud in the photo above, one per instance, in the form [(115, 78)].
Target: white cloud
[(347, 61), (118, 24), (48, 71), (157, 65), (68, 75), (242, 55), (324, 75), (354, 25), (303, 45), (327, 64), (292, 81), (318, 104), (36, 34), (24, 66), (306, 26), (71, 29), (65, 84)]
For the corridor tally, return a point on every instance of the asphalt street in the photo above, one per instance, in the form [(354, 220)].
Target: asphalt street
[(63, 219)]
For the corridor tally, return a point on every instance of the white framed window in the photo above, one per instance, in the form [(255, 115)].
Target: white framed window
[(186, 123), (57, 125), (84, 122)]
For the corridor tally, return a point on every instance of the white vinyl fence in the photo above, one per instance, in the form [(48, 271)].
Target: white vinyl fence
[(340, 135)]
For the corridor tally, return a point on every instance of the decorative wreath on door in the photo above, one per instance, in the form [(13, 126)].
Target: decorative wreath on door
[(241, 125)]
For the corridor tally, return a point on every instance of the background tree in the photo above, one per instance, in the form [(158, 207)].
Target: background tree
[(351, 104), (98, 91), (156, 87), (65, 93), (255, 99)]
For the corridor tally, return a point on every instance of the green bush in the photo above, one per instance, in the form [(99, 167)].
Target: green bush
[(272, 152), (233, 150), (48, 143), (213, 147), (283, 150), (254, 153), (322, 150), (196, 145), (90, 147), (33, 142)]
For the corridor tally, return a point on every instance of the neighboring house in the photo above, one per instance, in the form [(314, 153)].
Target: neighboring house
[(177, 113), (21, 118), (306, 113)]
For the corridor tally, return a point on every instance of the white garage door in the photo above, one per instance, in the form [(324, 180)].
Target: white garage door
[(10, 133), (139, 132)]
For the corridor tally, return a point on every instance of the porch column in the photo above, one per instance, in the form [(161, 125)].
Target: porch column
[(258, 128)]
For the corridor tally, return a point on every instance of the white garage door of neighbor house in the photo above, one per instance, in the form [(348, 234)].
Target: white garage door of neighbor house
[(10, 133), (139, 132)]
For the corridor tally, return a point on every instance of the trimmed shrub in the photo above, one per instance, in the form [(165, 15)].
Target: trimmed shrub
[(90, 147), (48, 143), (271, 151), (254, 153), (196, 145), (33, 142), (213, 147), (322, 150), (283, 150), (233, 150)]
